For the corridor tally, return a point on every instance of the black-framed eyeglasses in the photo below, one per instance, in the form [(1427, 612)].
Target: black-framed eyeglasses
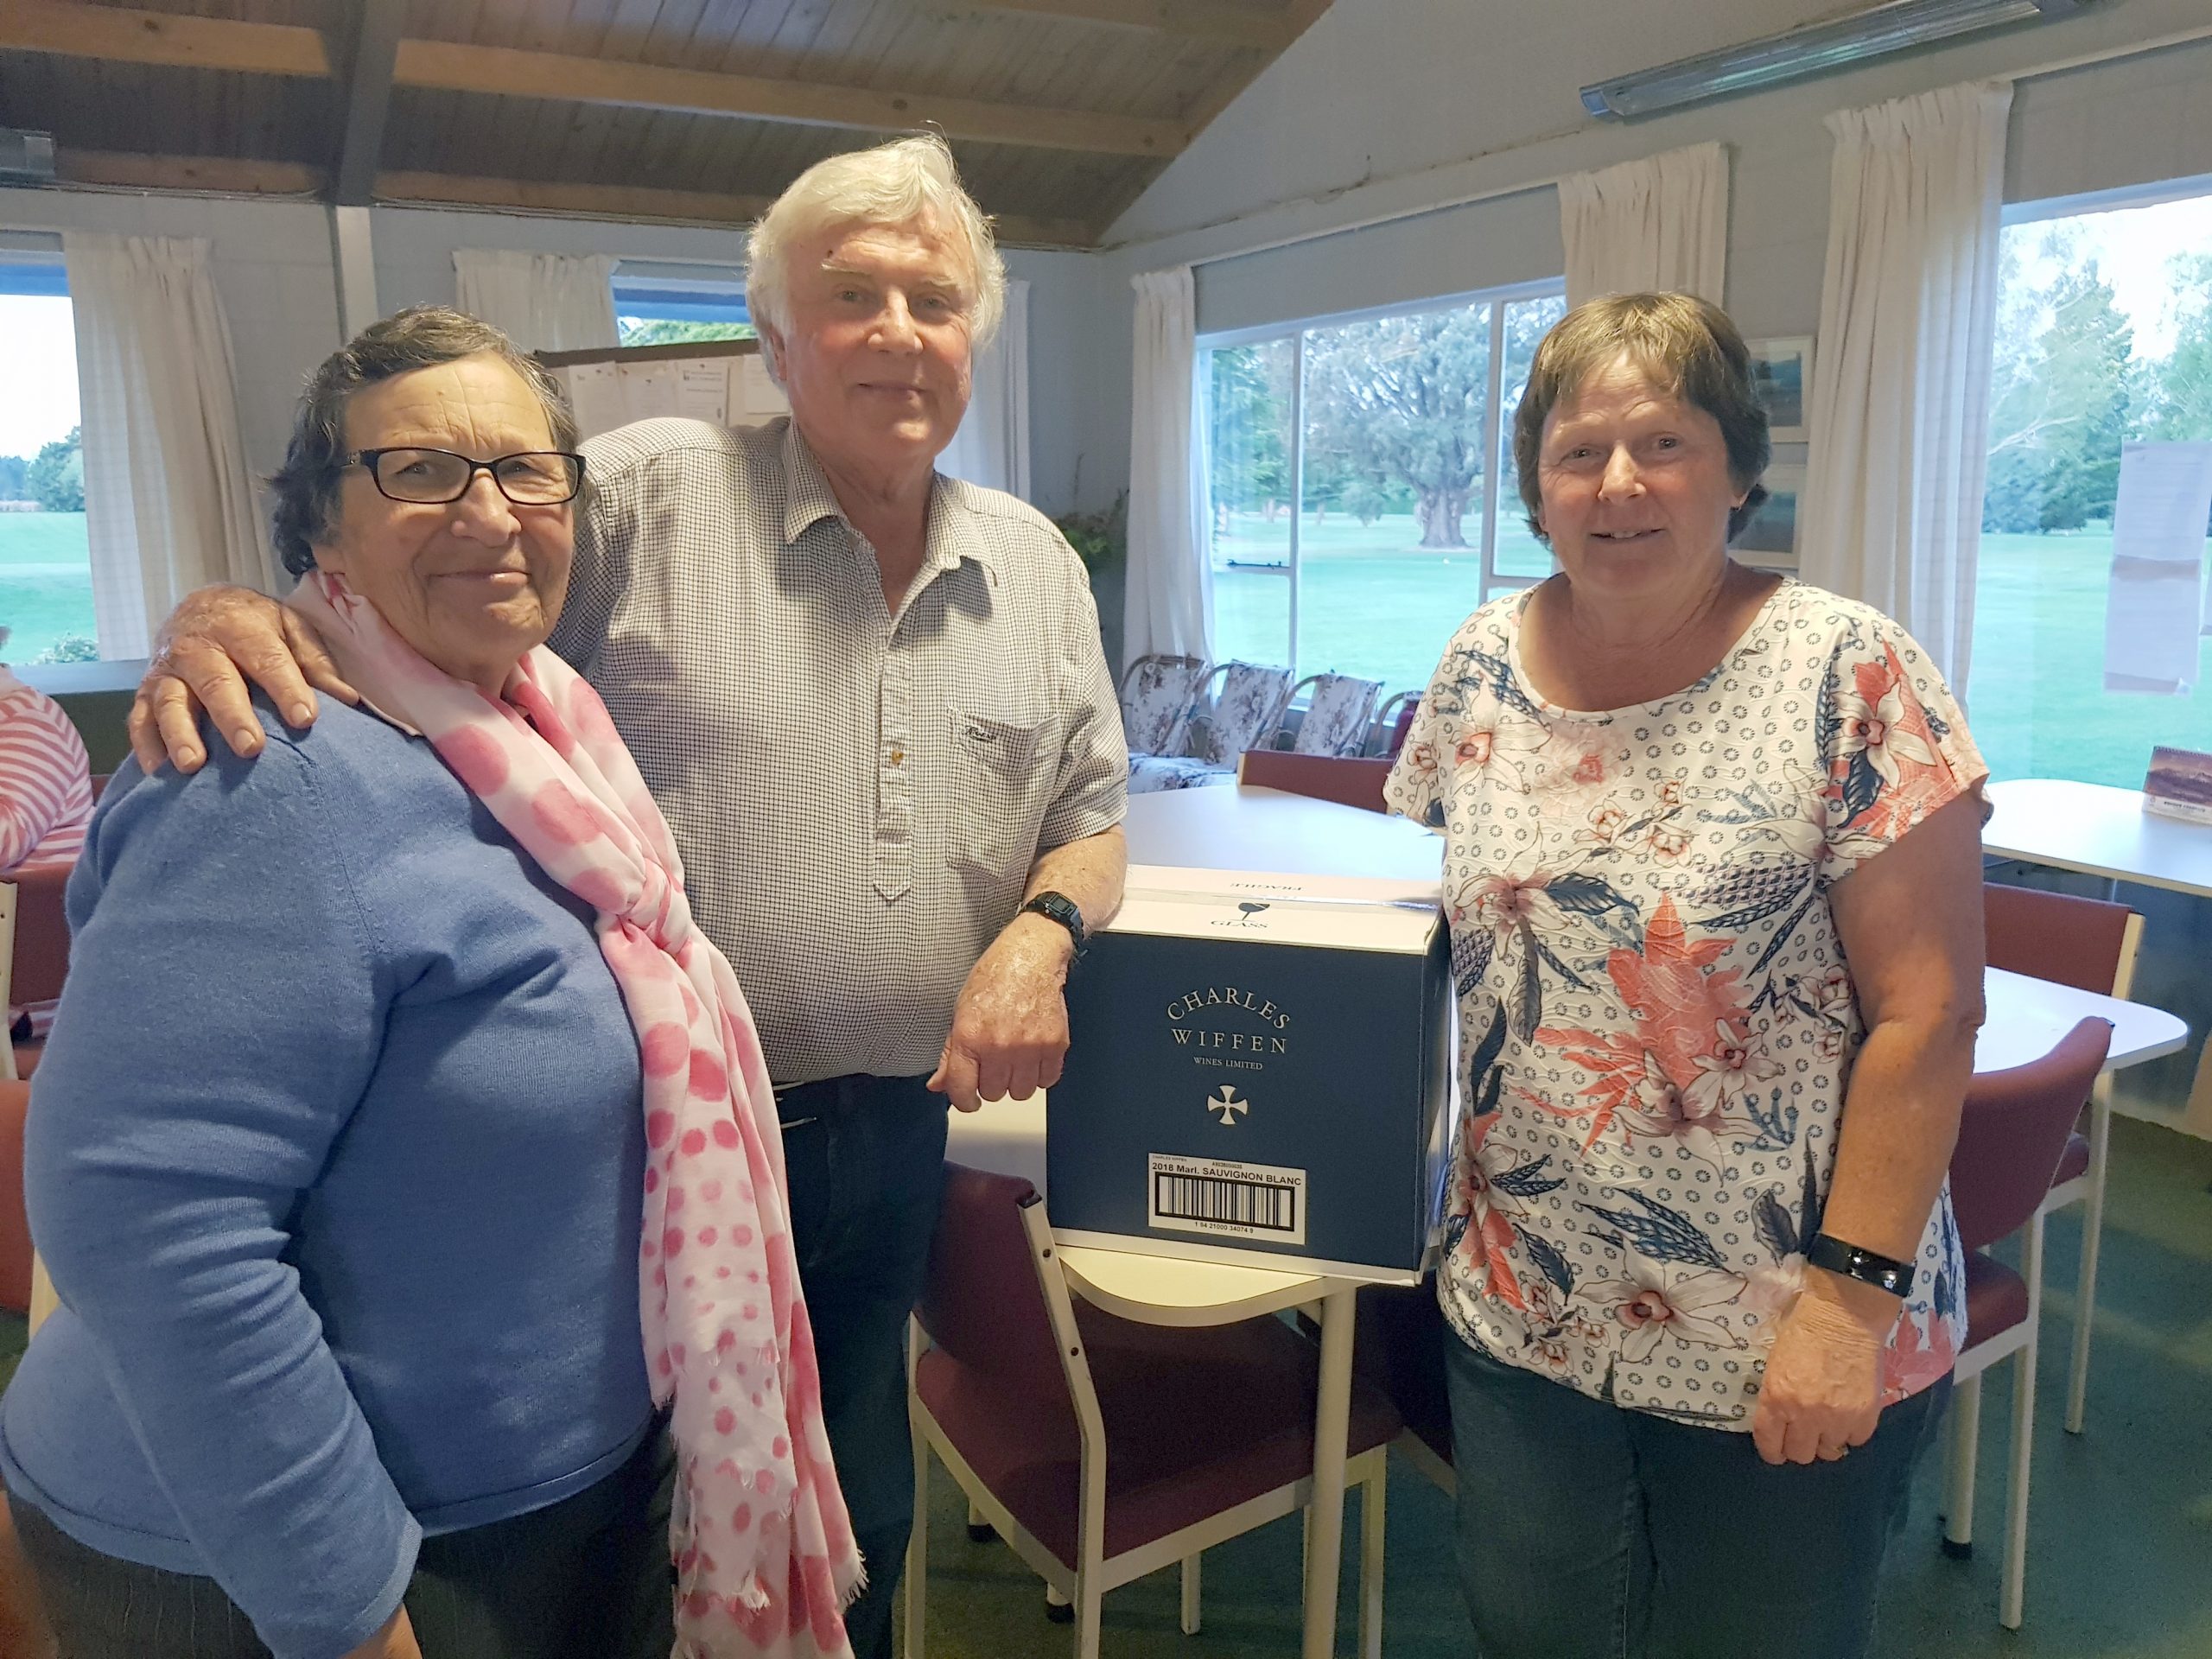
[(533, 477)]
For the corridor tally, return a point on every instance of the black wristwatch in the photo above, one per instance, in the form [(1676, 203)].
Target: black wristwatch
[(1059, 907), (1849, 1262)]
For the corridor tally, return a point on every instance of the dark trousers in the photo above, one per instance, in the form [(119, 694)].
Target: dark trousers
[(587, 1578), (1590, 1532), (866, 1162)]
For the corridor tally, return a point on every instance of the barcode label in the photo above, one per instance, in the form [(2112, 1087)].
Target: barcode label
[(1210, 1195)]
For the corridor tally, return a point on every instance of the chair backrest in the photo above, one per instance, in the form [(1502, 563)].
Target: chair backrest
[(1392, 721), (2089, 943), (1338, 714), (2013, 1132), (1341, 778), (1245, 709), (981, 1301), (1158, 694), (41, 957)]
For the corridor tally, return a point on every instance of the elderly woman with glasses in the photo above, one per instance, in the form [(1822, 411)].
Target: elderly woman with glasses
[(1713, 861), (403, 1156)]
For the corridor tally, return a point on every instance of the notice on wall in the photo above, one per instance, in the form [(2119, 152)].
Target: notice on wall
[(2156, 611), (763, 398), (703, 389), (595, 398)]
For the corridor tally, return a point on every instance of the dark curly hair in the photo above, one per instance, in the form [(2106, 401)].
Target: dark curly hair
[(1689, 347), (421, 337)]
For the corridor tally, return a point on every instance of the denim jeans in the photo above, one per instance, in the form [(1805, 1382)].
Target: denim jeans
[(587, 1578), (865, 1158), (1590, 1532)]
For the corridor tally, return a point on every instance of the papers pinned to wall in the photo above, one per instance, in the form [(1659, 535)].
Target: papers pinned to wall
[(725, 384), (2156, 609)]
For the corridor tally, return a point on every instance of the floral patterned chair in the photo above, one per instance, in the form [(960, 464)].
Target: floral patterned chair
[(1159, 695), (1338, 714), (1247, 707)]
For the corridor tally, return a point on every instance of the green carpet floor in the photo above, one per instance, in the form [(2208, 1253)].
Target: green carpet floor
[(2120, 1551)]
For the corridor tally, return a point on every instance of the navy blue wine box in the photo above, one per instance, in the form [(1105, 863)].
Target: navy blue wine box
[(1260, 1068)]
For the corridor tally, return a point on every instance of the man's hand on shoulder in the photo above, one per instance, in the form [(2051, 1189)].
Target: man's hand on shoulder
[(1010, 1026), (215, 641)]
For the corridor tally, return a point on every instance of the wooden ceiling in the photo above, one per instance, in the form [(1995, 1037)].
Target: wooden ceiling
[(1060, 112)]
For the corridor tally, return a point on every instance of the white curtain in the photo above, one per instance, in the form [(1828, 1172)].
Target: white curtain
[(1169, 604), (992, 446), (1656, 225), (168, 500), (544, 301), (1899, 407)]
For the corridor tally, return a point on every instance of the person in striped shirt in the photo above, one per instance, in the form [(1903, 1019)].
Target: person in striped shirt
[(46, 786), (45, 799)]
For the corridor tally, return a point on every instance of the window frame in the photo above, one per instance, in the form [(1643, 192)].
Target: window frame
[(1490, 581), (673, 291)]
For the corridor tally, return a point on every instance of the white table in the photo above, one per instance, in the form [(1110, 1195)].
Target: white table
[(2100, 830)]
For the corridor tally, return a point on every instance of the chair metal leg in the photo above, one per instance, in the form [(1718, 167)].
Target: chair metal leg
[(1371, 1502), (2093, 1231), (918, 1543), (1090, 1610), (2012, 1583), (1191, 1565), (1959, 1453)]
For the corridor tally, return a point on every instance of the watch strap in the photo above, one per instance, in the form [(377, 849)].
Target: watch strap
[(1849, 1262), (1059, 907)]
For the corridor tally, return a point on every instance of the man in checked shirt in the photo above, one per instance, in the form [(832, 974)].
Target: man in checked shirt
[(873, 704)]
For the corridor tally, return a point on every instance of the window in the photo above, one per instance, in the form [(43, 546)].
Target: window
[(1363, 495), (2104, 335), (658, 304), (46, 574)]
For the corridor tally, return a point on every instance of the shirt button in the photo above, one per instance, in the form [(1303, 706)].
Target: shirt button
[(898, 757)]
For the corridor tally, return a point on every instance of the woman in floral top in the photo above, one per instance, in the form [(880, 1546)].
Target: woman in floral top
[(1714, 872)]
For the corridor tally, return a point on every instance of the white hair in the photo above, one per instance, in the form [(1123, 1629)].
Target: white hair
[(907, 181)]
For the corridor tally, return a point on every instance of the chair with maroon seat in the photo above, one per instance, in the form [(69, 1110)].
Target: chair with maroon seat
[(2011, 1136), (1400, 1348), (1343, 779), (1100, 1449), (2090, 945), (15, 1224), (38, 955)]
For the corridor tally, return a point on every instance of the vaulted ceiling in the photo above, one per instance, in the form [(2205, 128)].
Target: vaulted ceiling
[(1060, 112)]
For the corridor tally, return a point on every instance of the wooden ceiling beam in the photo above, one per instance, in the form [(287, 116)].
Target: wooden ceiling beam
[(453, 66), (120, 34), (368, 99), (1225, 24), (225, 175)]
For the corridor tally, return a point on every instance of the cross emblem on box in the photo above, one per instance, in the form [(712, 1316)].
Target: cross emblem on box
[(1224, 1101)]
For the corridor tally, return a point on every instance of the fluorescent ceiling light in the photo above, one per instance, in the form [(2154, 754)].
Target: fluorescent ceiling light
[(1815, 49)]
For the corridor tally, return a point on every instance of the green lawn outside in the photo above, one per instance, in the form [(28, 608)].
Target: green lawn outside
[(45, 580), (1372, 603)]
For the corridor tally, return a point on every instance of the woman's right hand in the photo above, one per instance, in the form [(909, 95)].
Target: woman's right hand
[(395, 1641), (213, 642)]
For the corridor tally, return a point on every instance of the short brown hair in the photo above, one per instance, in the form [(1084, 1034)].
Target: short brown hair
[(1688, 348), (421, 337)]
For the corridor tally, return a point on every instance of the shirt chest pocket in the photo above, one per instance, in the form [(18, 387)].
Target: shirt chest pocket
[(1002, 773), (1000, 748)]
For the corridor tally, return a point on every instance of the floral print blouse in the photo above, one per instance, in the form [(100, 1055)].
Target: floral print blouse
[(1656, 1020)]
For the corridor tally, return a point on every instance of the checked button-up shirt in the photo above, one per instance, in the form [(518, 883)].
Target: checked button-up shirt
[(858, 795)]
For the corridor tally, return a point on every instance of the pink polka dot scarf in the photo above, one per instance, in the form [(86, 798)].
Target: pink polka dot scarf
[(763, 1547)]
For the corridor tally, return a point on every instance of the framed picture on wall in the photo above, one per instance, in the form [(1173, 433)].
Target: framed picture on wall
[(1782, 370), (1770, 541)]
